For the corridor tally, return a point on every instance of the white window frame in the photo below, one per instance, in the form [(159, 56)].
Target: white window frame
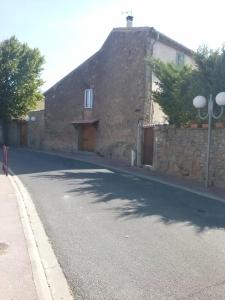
[(88, 98)]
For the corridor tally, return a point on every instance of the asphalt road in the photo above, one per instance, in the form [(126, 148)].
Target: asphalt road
[(118, 236)]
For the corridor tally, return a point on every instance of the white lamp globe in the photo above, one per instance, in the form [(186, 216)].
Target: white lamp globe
[(27, 118), (220, 98), (33, 118), (199, 101)]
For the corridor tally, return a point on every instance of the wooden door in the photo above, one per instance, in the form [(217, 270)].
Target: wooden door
[(148, 147), (23, 134), (88, 133)]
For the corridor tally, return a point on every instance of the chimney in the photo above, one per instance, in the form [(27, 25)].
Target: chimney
[(130, 21)]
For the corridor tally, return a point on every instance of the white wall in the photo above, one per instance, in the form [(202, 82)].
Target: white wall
[(168, 54)]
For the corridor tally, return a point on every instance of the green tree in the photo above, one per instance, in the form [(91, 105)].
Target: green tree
[(210, 70), (174, 89), (20, 79), (178, 86)]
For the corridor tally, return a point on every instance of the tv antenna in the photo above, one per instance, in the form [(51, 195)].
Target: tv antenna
[(127, 12)]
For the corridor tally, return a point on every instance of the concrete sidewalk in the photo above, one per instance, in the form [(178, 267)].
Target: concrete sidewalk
[(16, 277)]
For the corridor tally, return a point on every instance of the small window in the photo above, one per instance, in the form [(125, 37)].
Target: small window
[(180, 59), (88, 98)]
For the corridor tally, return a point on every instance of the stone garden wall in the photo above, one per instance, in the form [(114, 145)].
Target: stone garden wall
[(182, 152), (36, 129)]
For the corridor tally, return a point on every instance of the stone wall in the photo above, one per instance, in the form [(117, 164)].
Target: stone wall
[(117, 75), (35, 129), (13, 133), (33, 132), (183, 152)]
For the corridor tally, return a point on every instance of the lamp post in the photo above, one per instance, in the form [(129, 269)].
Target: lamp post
[(200, 102)]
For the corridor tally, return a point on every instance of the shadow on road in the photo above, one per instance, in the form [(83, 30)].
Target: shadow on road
[(142, 198), (128, 195)]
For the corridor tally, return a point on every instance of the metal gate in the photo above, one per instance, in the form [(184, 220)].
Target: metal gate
[(148, 145)]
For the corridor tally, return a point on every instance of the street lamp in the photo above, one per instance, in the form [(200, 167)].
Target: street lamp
[(28, 119), (200, 102)]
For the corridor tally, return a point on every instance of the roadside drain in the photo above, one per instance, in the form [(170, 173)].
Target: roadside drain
[(3, 248)]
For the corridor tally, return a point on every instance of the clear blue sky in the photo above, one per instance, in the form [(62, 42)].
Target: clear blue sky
[(68, 32)]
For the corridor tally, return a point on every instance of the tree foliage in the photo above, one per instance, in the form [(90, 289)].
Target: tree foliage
[(210, 70), (173, 91), (177, 86), (20, 78)]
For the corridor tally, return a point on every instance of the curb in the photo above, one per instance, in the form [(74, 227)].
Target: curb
[(48, 277), (147, 177)]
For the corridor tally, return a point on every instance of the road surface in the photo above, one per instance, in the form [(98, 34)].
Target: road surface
[(118, 236)]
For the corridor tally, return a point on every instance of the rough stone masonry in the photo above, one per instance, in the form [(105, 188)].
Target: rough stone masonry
[(182, 151)]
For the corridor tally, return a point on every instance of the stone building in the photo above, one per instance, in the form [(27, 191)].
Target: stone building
[(98, 106)]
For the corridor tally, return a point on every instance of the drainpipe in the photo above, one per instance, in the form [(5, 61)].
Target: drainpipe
[(156, 40), (149, 90), (151, 54), (139, 142)]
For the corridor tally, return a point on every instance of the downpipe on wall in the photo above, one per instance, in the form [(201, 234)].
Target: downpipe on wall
[(139, 143)]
